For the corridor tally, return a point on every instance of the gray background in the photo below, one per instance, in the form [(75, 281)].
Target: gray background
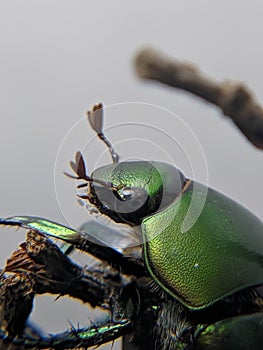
[(60, 57)]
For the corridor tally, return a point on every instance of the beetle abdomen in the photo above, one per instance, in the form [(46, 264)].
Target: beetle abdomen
[(219, 255)]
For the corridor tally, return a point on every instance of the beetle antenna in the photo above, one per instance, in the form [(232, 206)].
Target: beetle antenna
[(79, 168), (95, 117)]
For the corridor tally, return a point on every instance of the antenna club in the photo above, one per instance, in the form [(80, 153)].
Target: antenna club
[(95, 118)]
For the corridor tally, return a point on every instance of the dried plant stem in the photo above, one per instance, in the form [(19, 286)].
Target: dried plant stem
[(234, 98)]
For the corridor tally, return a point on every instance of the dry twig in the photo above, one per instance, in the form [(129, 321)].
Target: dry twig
[(234, 98), (39, 267)]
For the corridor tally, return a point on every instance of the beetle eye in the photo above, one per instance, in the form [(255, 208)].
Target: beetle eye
[(126, 193), (130, 199)]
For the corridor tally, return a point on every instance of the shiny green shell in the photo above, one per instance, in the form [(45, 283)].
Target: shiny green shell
[(220, 254)]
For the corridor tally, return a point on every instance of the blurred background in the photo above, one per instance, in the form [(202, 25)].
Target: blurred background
[(59, 58)]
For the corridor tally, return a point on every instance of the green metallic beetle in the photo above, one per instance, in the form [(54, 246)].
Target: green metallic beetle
[(193, 289)]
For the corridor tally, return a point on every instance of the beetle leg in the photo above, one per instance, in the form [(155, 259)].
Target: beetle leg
[(240, 332), (82, 241), (85, 337)]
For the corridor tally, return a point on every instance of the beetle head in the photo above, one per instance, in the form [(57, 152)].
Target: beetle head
[(126, 192), (134, 190)]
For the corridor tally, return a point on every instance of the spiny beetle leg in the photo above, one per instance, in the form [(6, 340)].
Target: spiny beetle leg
[(85, 337)]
